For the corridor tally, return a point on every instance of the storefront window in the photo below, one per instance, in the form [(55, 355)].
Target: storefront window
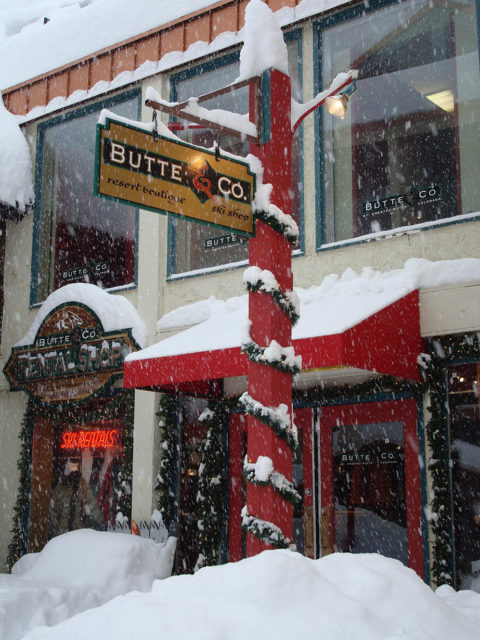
[(406, 152), (78, 237), (369, 497), (86, 465), (464, 414), (197, 247)]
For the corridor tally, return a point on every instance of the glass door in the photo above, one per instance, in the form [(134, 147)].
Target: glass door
[(370, 489)]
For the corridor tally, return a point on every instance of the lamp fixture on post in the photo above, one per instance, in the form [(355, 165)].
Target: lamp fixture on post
[(337, 105)]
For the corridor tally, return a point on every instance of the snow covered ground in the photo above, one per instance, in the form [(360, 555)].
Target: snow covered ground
[(276, 595), (77, 571)]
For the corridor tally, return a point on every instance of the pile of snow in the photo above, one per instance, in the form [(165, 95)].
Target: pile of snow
[(281, 595), (114, 311), (77, 571), (16, 183), (335, 305), (264, 46)]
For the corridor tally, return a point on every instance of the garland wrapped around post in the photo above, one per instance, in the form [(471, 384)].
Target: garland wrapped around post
[(259, 470), (167, 414), (211, 490)]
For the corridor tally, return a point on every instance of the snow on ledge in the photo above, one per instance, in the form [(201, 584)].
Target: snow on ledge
[(16, 183), (338, 303), (114, 311)]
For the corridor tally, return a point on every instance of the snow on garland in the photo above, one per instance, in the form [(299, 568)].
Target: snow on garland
[(256, 279), (282, 358), (211, 491), (277, 418), (263, 474), (274, 355), (269, 213), (266, 531)]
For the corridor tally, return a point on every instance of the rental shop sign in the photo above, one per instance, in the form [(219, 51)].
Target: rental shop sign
[(169, 176), (71, 358)]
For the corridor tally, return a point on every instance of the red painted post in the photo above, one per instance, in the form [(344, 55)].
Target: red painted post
[(271, 250)]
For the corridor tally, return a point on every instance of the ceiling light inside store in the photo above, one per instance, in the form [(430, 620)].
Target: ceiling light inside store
[(443, 99)]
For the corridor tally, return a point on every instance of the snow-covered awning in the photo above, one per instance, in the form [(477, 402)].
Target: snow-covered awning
[(368, 323), (350, 327), (387, 341)]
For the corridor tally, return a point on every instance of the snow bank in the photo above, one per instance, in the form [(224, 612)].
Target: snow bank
[(16, 184), (114, 311), (335, 305), (77, 571), (283, 595)]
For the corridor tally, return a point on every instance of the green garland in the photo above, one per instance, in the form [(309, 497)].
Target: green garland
[(286, 229), (318, 396), (276, 480), (19, 543), (212, 484), (167, 414), (264, 530), (125, 475), (256, 353), (119, 405), (269, 416), (442, 352), (282, 299)]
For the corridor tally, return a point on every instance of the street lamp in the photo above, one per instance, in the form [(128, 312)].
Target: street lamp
[(273, 119)]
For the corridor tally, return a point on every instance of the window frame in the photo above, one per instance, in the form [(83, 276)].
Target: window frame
[(332, 19), (42, 128), (208, 65)]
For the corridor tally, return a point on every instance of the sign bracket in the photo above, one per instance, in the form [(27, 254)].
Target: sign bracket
[(178, 110)]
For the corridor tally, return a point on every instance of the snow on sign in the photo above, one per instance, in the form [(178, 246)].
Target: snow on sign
[(71, 358), (165, 175)]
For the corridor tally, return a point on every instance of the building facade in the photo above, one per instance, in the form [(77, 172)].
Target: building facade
[(389, 459)]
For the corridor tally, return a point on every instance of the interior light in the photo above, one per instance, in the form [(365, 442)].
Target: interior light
[(443, 99)]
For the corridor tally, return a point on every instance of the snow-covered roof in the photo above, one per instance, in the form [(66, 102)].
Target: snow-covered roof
[(337, 304), (79, 28), (16, 184), (76, 29), (114, 311)]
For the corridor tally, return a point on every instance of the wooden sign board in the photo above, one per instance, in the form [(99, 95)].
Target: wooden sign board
[(168, 176), (71, 358)]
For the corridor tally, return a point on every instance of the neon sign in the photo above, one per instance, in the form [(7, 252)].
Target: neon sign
[(90, 439)]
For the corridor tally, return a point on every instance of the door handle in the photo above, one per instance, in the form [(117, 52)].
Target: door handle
[(325, 531)]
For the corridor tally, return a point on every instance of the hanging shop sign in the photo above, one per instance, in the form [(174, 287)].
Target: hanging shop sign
[(169, 176), (71, 358), (412, 197)]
